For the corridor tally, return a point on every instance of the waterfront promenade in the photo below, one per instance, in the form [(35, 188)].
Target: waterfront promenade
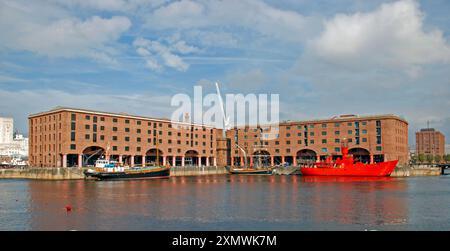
[(52, 173), (61, 173)]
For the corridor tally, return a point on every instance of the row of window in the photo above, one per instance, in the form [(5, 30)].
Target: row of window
[(324, 150), (138, 149), (138, 139), (324, 125), (127, 121)]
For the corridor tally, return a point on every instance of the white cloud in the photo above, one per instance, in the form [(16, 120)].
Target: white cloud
[(157, 54), (391, 36), (250, 80), (110, 5), (59, 35), (213, 38), (254, 15)]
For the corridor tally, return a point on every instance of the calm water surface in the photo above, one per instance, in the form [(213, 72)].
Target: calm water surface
[(228, 203)]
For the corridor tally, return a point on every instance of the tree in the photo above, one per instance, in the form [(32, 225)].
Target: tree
[(447, 158), (429, 158), (437, 158), (421, 158)]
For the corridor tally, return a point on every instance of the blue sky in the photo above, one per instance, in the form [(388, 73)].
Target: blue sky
[(324, 58)]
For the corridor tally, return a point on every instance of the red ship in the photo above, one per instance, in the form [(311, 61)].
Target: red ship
[(347, 166)]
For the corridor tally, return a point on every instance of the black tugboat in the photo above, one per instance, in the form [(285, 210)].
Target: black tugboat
[(111, 170), (118, 173)]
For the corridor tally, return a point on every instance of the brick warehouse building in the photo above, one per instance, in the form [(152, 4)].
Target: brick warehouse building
[(430, 142), (370, 138), (68, 137)]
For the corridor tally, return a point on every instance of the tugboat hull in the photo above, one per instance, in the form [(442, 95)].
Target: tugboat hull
[(159, 173)]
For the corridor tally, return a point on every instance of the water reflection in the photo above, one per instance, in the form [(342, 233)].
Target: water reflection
[(219, 202)]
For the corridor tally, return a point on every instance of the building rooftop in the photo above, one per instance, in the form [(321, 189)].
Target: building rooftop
[(427, 130), (119, 114)]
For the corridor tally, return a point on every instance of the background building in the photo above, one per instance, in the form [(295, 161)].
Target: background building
[(430, 142), (6, 130), (371, 139), (12, 145), (77, 137)]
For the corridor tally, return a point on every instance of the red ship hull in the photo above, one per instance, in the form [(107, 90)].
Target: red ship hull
[(357, 169)]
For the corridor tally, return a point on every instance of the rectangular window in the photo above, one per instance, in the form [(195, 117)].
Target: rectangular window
[(73, 117), (138, 149), (324, 150), (378, 148), (378, 139), (102, 137), (87, 136), (73, 147), (114, 148), (324, 133), (337, 149), (127, 121), (138, 122), (127, 148), (364, 139), (349, 131), (72, 126), (337, 124), (114, 120), (311, 141), (337, 140), (337, 132), (138, 139), (102, 128), (299, 134), (324, 141), (102, 118), (324, 125), (114, 138), (114, 129), (88, 117), (127, 129), (364, 131), (127, 138), (72, 136), (138, 130), (87, 127), (94, 137), (95, 119), (94, 127)]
